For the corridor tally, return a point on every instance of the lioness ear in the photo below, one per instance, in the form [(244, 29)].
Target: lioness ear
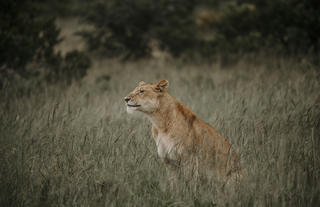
[(162, 85), (141, 83)]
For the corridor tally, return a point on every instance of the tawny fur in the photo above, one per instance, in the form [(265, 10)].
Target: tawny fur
[(179, 135)]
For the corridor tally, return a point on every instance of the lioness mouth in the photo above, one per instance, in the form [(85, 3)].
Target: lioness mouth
[(133, 105)]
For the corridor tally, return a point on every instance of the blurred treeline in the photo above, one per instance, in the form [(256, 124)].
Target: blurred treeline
[(132, 29), (28, 36), (205, 27)]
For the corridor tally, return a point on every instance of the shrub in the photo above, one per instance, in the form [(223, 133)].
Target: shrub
[(25, 37), (291, 27), (127, 27), (75, 65)]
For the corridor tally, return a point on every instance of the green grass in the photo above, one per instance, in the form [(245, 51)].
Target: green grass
[(77, 146)]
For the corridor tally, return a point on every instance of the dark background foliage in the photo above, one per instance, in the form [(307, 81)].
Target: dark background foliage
[(288, 27), (28, 32), (24, 35), (127, 27), (29, 35)]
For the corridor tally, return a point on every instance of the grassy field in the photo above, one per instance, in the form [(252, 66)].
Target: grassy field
[(77, 146)]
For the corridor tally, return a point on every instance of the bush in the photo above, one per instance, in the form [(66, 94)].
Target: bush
[(75, 65), (291, 27), (127, 27), (25, 37)]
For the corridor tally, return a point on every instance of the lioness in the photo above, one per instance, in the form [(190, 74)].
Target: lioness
[(181, 137)]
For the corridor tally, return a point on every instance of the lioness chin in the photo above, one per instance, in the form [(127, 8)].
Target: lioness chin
[(181, 138)]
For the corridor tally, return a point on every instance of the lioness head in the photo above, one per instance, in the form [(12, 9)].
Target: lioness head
[(145, 97)]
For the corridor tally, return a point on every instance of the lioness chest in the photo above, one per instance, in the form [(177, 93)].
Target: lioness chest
[(167, 147)]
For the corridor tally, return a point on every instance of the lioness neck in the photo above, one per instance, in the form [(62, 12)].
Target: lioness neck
[(163, 118)]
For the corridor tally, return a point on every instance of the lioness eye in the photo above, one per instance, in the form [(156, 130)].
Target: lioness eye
[(141, 91)]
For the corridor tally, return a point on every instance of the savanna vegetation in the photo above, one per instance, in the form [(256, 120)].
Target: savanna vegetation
[(248, 68)]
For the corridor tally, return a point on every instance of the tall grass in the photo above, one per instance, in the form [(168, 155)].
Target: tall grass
[(77, 146)]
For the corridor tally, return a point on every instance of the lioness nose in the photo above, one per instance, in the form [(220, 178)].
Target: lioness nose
[(127, 99)]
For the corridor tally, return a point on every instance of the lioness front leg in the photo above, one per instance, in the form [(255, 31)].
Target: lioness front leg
[(173, 172)]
